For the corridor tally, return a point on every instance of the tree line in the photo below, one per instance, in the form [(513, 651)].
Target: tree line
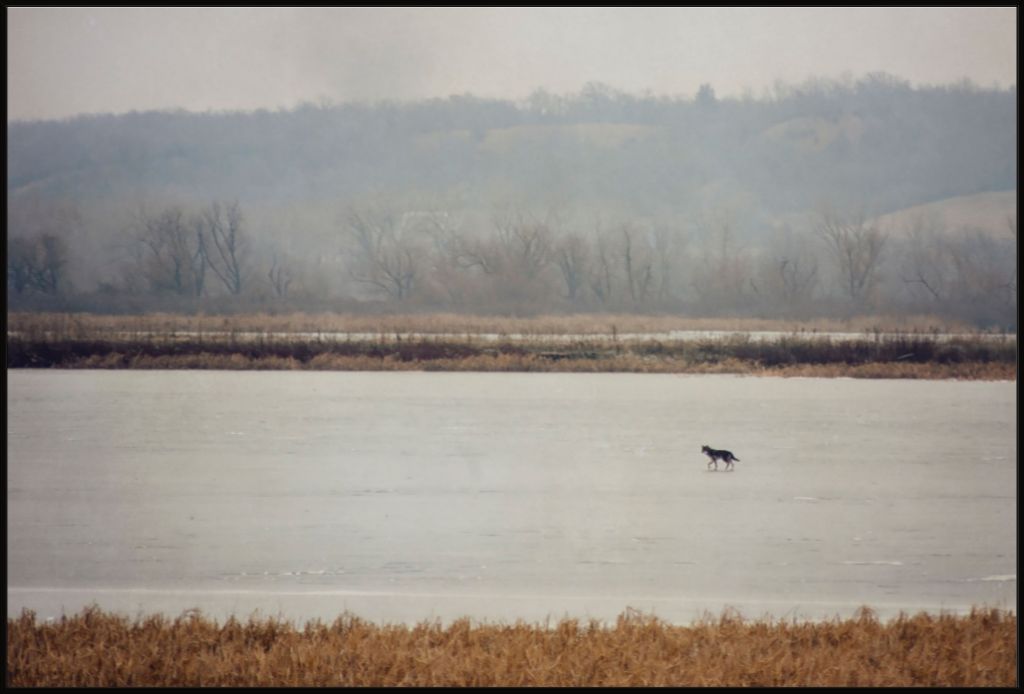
[(595, 201), (522, 261), (876, 138)]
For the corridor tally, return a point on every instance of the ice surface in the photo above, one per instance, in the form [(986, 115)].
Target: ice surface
[(409, 496)]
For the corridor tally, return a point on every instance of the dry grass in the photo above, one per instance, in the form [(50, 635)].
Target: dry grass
[(450, 323), (96, 649), (171, 342)]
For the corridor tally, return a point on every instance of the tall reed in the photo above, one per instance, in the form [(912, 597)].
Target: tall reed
[(97, 649), (890, 356), (58, 324)]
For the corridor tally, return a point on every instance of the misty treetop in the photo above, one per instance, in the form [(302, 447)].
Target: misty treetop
[(599, 200)]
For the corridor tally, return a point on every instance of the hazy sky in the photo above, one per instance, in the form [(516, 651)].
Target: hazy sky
[(66, 61)]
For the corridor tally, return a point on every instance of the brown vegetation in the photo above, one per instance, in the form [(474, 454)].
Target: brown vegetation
[(77, 324), (97, 649), (447, 343)]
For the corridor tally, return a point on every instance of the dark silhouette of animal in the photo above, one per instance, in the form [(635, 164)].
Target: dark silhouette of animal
[(714, 455)]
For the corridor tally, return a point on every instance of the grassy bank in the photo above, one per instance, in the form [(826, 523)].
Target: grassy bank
[(460, 357), (437, 344), (78, 324), (105, 650)]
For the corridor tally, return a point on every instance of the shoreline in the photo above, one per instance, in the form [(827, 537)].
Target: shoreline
[(889, 358), (201, 362), (867, 347)]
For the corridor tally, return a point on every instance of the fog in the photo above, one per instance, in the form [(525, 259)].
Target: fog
[(695, 161), (72, 60)]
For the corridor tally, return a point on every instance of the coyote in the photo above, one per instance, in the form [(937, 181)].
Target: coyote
[(715, 455)]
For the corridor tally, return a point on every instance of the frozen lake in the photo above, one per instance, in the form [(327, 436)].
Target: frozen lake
[(410, 496)]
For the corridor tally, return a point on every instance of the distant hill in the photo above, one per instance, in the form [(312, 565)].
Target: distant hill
[(814, 133), (876, 140), (599, 200), (991, 212)]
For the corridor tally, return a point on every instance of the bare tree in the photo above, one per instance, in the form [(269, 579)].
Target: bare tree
[(785, 281), (572, 256), (525, 242), (53, 258), (967, 273), (722, 278), (533, 243), (39, 233), (927, 264), (21, 263), (985, 270), (856, 246), (279, 274), (486, 255), (668, 247), (637, 264), (36, 263), (787, 273), (797, 275), (386, 253), (175, 255), (449, 255), (226, 247), (602, 271)]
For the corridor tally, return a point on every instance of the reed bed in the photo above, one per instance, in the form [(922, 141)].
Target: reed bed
[(79, 324), (871, 355), (98, 649)]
